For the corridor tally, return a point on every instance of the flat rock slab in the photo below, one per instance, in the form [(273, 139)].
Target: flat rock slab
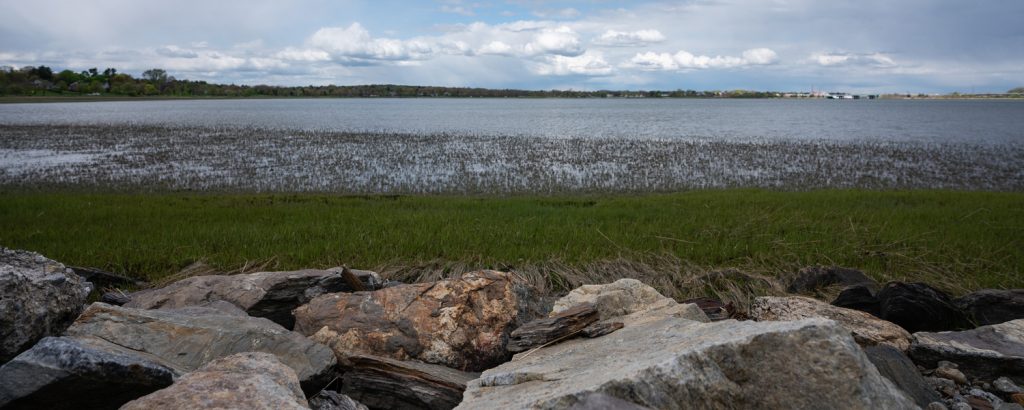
[(189, 338), (985, 353), (39, 297), (992, 306), (68, 373), (460, 323), (383, 383), (241, 381), (894, 365), (272, 295), (866, 329), (670, 363)]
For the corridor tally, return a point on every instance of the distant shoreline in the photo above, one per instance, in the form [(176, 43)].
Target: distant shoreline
[(102, 98)]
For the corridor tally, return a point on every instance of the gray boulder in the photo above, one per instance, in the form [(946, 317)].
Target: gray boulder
[(68, 373), (672, 363), (190, 338), (985, 353), (240, 381), (39, 297), (272, 295), (894, 365), (815, 278), (992, 306)]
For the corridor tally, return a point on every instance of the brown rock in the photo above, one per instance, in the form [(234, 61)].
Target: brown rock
[(241, 381), (867, 330), (384, 383), (460, 323), (562, 325), (1018, 398), (950, 373)]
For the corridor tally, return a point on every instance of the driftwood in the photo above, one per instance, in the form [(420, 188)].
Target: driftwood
[(560, 326), (115, 297), (102, 278), (380, 382), (352, 280), (714, 308), (600, 329)]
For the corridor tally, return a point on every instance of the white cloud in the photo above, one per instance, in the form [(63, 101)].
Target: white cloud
[(496, 48), (760, 56), (588, 64), (877, 60), (629, 38), (562, 41), (683, 60), (354, 43)]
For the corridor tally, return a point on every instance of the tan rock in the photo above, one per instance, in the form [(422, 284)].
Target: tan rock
[(460, 323), (867, 330), (619, 298), (272, 295), (241, 381)]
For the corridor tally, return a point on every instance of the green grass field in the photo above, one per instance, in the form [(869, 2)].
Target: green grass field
[(956, 240)]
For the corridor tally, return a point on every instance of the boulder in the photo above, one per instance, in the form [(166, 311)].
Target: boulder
[(866, 329), (460, 323), (69, 373), (918, 307), (272, 295), (859, 298), (332, 400), (189, 338), (812, 279), (39, 297), (622, 297), (383, 383), (991, 306), (985, 353), (240, 381), (669, 363), (894, 365)]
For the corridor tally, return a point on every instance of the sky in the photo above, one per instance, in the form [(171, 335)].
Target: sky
[(873, 46)]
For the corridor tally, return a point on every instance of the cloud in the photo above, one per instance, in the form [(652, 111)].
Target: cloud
[(462, 10), (566, 13), (877, 60), (176, 52), (562, 41), (683, 60), (355, 43), (587, 64), (629, 38), (496, 48)]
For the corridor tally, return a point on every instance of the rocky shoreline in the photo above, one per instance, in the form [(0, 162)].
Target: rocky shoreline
[(347, 339)]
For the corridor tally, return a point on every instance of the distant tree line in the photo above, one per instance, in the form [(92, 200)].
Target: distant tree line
[(42, 80)]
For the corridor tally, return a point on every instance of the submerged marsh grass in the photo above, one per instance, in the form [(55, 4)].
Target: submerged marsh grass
[(151, 158), (959, 241)]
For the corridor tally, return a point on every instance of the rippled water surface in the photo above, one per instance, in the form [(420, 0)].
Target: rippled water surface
[(961, 121)]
